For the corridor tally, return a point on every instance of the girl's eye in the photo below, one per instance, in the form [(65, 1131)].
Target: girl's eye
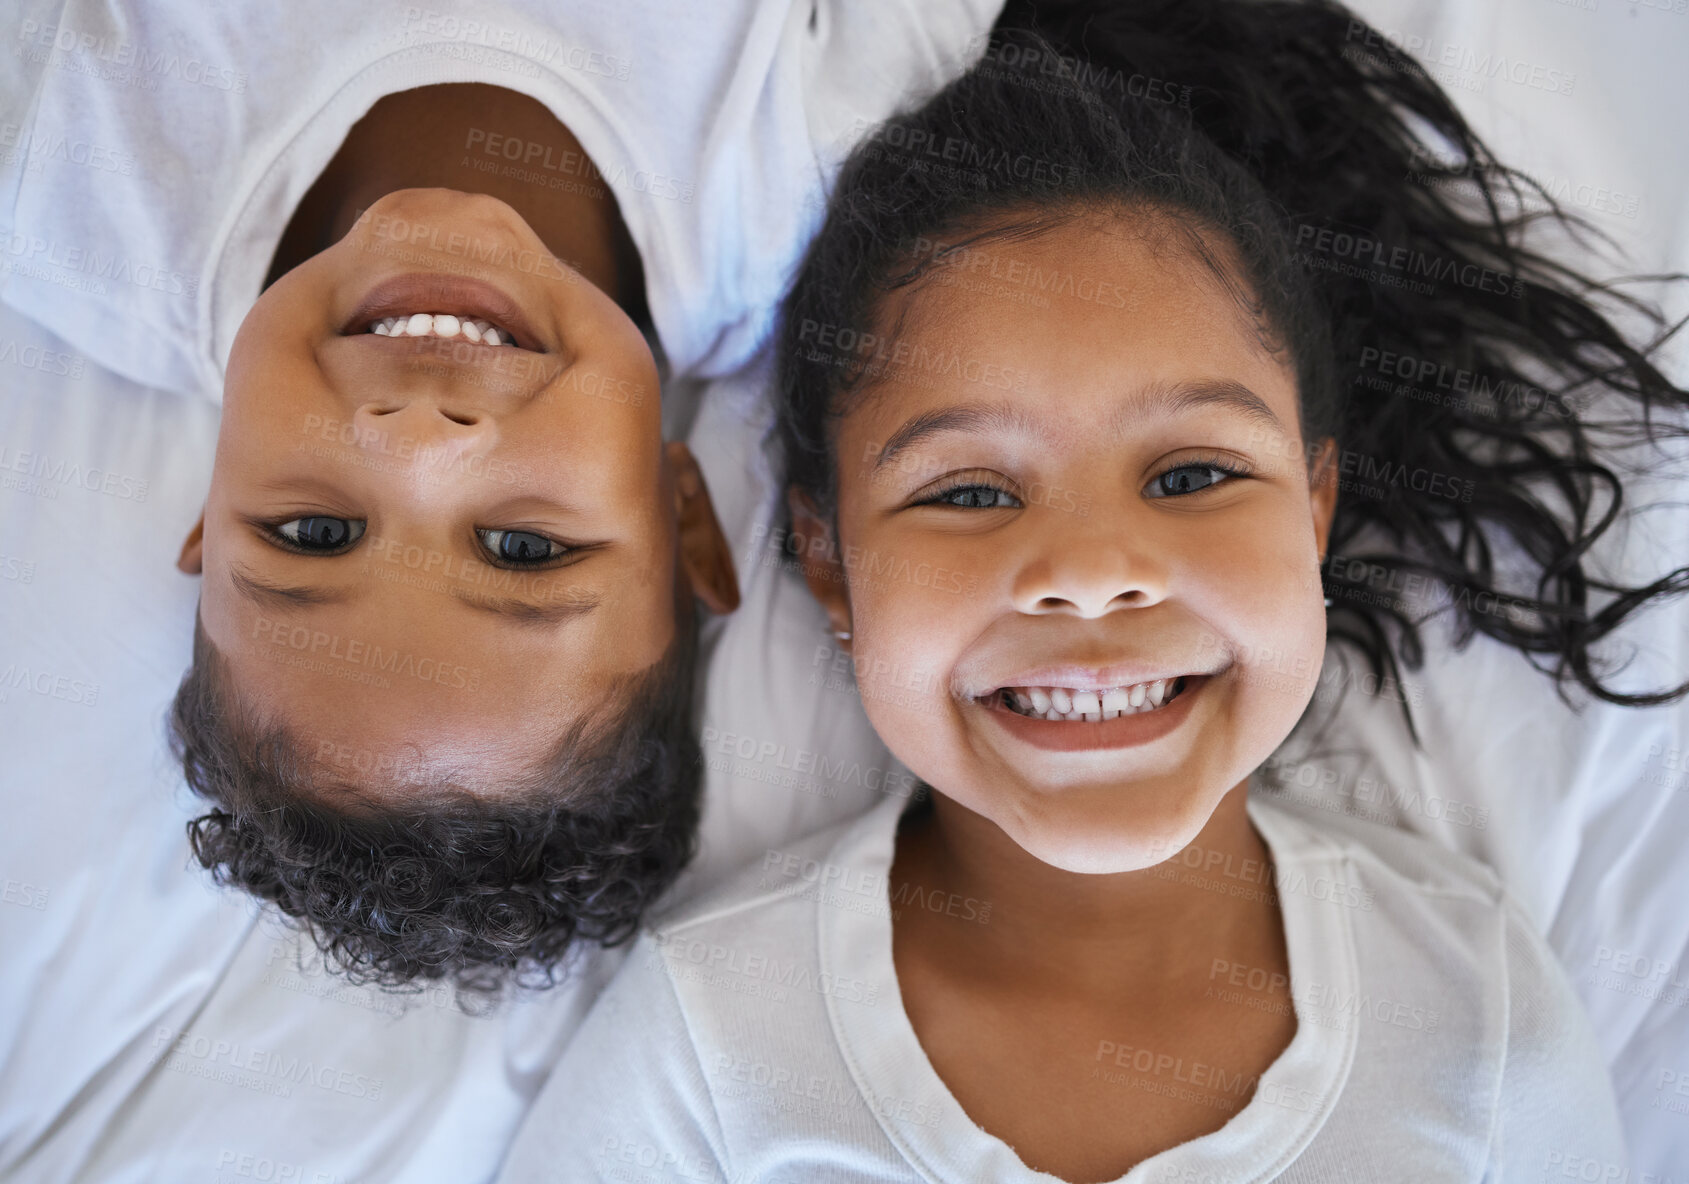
[(320, 534), (1194, 478), (521, 546), (973, 497)]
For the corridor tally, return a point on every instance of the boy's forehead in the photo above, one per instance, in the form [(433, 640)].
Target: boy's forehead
[(406, 698), (472, 728)]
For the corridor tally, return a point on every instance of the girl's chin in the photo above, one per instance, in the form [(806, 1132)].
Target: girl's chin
[(1106, 840)]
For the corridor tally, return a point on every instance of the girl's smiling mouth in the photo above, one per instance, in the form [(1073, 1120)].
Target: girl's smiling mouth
[(1076, 703), (1065, 720)]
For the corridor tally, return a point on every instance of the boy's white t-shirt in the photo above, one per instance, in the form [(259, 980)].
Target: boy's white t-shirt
[(154, 152), (760, 1035)]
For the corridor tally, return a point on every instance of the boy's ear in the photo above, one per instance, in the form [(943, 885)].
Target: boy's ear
[(704, 552), (1322, 488), (818, 554), (192, 559)]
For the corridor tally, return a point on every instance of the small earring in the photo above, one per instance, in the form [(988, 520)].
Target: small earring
[(842, 634), (1328, 602)]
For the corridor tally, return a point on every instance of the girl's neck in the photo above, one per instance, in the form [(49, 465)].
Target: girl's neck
[(1095, 929), (458, 136)]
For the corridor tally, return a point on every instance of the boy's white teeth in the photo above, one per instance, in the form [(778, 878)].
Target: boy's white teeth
[(1062, 703), (441, 324)]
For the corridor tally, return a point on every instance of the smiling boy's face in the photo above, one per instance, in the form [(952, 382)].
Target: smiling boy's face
[(1041, 516), (426, 553)]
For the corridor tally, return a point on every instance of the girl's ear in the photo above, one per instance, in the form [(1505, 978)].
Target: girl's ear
[(192, 559), (818, 554), (1322, 489)]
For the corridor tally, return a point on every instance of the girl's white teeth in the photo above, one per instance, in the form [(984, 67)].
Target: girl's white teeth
[(1061, 703), (441, 324)]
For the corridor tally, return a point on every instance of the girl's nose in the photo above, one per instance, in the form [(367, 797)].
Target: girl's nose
[(1087, 574)]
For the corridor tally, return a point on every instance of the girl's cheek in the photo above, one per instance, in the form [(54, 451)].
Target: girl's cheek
[(907, 643), (904, 645)]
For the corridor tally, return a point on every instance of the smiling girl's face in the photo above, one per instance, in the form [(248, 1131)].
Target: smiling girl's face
[(1035, 518)]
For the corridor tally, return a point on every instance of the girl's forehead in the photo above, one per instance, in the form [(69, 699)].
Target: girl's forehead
[(1077, 302), (1134, 265)]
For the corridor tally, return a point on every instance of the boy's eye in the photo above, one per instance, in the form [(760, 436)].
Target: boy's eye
[(321, 534), (974, 497), (1193, 478), (520, 546)]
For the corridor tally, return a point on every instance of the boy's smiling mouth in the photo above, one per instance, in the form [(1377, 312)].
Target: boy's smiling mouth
[(446, 307), (444, 326)]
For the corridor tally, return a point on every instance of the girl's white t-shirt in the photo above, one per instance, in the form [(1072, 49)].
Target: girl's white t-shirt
[(151, 154), (760, 1036)]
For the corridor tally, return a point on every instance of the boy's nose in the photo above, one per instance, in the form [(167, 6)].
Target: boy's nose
[(411, 423)]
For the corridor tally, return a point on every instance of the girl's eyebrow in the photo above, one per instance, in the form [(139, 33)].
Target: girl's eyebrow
[(1161, 400), (956, 419)]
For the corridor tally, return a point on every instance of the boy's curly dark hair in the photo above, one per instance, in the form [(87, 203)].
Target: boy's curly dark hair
[(478, 890), (1283, 129)]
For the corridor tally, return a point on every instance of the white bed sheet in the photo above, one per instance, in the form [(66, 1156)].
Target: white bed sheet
[(152, 1027), (1587, 812)]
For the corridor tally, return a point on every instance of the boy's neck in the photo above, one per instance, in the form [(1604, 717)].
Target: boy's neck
[(458, 136), (1097, 929)]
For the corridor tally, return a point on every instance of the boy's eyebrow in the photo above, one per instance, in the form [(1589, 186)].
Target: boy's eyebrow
[(1160, 400), (267, 595), (283, 596), (525, 612)]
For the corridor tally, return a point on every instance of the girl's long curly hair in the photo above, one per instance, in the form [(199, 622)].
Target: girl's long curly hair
[(1383, 248)]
